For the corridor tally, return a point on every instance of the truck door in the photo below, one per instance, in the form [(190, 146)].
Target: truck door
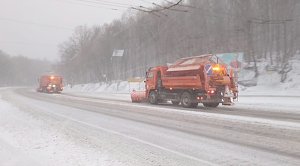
[(150, 81)]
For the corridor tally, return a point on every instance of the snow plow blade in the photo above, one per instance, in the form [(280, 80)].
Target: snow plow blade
[(138, 96)]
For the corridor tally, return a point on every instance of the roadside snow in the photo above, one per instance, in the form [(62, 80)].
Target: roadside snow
[(114, 87), (273, 98), (268, 81), (118, 90), (268, 84), (29, 140), (269, 94)]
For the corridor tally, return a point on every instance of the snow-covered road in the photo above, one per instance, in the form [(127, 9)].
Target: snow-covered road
[(67, 129)]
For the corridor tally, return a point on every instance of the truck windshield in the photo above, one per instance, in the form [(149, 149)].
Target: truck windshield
[(150, 74), (216, 59)]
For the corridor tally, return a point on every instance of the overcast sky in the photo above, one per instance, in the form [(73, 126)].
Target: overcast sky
[(34, 28)]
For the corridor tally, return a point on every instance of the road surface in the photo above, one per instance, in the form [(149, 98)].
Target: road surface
[(67, 129)]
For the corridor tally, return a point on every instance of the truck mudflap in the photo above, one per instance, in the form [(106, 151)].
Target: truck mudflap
[(228, 101), (138, 96)]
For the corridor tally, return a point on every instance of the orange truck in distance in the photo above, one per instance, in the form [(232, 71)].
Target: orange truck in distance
[(50, 84), (201, 79)]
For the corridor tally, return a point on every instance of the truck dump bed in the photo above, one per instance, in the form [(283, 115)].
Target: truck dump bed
[(187, 73), (178, 82)]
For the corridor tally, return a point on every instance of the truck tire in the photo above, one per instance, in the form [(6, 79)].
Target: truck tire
[(210, 104), (175, 102), (153, 97), (186, 100)]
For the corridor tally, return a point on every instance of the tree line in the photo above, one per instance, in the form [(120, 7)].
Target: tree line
[(265, 30), (20, 71)]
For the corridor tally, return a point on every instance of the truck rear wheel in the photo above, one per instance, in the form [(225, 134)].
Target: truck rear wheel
[(186, 100), (210, 104), (153, 97)]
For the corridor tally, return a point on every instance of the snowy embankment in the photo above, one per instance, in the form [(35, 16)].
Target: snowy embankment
[(268, 81), (267, 84), (118, 90), (268, 94)]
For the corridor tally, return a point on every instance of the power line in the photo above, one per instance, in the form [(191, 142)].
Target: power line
[(110, 4), (117, 6), (162, 8), (35, 24), (177, 10), (88, 5), (27, 44), (62, 27), (269, 21), (146, 1), (105, 3), (113, 4)]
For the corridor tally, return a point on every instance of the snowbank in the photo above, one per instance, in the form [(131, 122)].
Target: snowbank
[(267, 83), (119, 87)]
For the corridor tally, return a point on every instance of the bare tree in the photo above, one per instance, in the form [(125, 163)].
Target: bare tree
[(262, 29)]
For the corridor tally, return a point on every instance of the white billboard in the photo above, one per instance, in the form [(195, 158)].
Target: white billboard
[(118, 53)]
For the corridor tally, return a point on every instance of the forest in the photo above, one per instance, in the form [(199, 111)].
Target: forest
[(262, 29), (20, 70)]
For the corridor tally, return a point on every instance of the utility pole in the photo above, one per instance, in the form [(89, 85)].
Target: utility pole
[(285, 42), (250, 49)]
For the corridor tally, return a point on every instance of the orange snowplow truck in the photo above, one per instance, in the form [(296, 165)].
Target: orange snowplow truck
[(189, 81), (50, 84)]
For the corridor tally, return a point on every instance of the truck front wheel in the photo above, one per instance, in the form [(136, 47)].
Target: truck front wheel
[(186, 100), (175, 102), (153, 97)]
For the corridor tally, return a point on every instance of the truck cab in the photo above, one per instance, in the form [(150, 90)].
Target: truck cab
[(50, 84)]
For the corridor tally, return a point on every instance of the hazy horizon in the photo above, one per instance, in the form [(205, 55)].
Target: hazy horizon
[(35, 28)]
